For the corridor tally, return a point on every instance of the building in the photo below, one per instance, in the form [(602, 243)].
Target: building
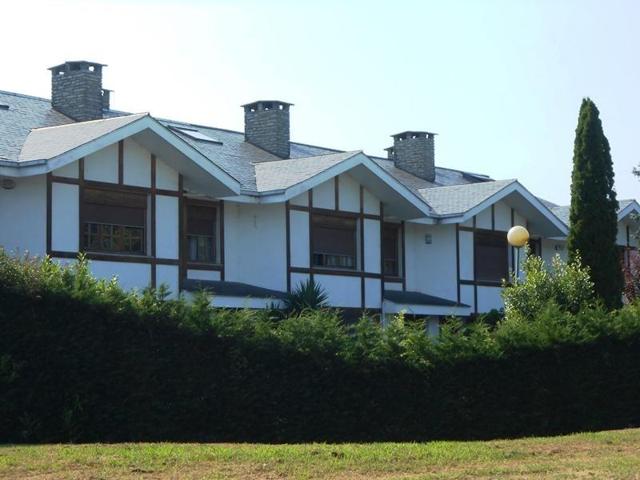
[(249, 215)]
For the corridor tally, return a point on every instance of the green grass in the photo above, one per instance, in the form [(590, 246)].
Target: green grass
[(614, 454)]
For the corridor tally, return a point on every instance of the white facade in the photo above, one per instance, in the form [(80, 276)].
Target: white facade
[(266, 244)]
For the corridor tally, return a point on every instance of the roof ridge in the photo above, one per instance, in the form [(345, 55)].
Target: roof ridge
[(142, 114), (24, 95), (350, 152), (506, 181)]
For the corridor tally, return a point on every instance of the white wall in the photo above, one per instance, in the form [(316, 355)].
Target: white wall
[(324, 195), (167, 228), (299, 238), (489, 298), (431, 268), (136, 164), (65, 219), (102, 166), (342, 291), (551, 248), (255, 244), (203, 274), (349, 194), (130, 275), (166, 177), (168, 275), (23, 216)]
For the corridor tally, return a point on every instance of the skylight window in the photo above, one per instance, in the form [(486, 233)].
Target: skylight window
[(4, 107), (195, 134)]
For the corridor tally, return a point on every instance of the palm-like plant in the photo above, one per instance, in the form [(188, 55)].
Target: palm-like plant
[(308, 295)]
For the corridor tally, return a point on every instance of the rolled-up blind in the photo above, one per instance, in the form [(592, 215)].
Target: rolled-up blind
[(114, 207)]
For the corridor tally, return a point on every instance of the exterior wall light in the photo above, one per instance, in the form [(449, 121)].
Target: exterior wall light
[(8, 183)]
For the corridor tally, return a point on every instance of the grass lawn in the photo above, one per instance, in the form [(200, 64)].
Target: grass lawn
[(614, 454)]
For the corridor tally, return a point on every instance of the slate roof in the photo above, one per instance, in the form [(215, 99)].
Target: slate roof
[(48, 142), (282, 174), (23, 137), (24, 113), (562, 211), (232, 289), (458, 199), (418, 298)]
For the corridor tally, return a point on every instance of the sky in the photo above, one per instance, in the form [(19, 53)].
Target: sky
[(500, 81)]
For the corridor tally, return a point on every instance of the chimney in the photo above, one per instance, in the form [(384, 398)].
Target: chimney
[(266, 125), (76, 90), (414, 152)]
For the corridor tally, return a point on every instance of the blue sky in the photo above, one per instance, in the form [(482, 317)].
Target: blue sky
[(499, 81)]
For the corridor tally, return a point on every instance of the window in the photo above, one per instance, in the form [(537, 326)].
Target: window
[(114, 221), (390, 250), (334, 241), (535, 244), (491, 256), (202, 233), (195, 134)]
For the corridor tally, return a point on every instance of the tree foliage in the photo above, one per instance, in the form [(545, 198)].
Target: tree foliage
[(566, 285), (594, 207)]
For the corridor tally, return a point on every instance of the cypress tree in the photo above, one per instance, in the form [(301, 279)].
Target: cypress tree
[(593, 215)]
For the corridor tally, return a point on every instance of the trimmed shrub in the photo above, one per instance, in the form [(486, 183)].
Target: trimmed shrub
[(83, 361), (566, 285)]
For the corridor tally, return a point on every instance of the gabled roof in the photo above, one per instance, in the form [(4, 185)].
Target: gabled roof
[(459, 199), (49, 142), (625, 208), (286, 179), (278, 175), (628, 207), (46, 149), (459, 203)]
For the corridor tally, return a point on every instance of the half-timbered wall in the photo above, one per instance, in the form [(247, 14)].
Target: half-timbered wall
[(129, 167), (340, 196), (482, 296)]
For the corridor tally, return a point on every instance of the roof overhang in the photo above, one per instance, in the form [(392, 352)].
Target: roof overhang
[(198, 171), (542, 221), (626, 213), (418, 309), (399, 201)]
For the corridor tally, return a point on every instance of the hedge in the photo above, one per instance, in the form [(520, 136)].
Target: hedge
[(82, 361)]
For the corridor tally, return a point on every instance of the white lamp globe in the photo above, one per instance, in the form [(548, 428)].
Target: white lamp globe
[(518, 236)]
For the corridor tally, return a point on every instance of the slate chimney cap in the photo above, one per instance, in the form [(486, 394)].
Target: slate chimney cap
[(265, 103), (412, 134), (76, 65)]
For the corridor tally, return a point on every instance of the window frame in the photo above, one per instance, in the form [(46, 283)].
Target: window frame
[(86, 221), (494, 235), (335, 215), (218, 232), (386, 226)]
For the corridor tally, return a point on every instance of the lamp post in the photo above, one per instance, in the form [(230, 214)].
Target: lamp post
[(518, 236)]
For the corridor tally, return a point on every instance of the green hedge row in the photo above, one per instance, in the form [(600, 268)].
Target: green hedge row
[(82, 361)]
